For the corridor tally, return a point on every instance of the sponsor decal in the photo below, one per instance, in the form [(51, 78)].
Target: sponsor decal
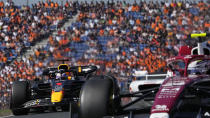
[(176, 82), (160, 108), (32, 103), (188, 57), (58, 88), (169, 92)]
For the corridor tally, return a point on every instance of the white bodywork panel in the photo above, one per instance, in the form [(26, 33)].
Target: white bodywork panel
[(134, 86)]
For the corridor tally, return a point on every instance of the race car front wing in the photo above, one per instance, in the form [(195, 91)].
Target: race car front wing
[(47, 102)]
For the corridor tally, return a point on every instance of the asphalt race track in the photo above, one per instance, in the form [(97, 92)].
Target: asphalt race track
[(143, 114), (63, 115)]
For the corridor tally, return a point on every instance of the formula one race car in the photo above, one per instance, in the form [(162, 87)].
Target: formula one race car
[(186, 93), (62, 88)]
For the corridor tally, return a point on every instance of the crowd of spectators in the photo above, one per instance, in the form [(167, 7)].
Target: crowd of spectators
[(20, 28), (118, 37)]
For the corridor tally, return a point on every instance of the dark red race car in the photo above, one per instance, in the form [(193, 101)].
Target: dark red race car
[(183, 94), (187, 92)]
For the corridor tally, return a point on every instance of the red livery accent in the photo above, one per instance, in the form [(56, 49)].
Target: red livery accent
[(185, 50)]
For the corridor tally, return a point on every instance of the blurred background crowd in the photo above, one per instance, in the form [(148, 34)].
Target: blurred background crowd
[(119, 37)]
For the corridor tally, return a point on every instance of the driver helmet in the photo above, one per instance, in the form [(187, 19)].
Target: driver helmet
[(198, 67), (58, 76)]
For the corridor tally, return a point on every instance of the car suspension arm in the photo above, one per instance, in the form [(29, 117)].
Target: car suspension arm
[(138, 99), (135, 93)]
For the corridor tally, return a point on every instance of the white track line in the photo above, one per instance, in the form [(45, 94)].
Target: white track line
[(6, 116)]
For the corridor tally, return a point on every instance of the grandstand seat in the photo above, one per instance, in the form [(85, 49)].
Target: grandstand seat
[(152, 48), (2, 47), (1, 64), (141, 46), (194, 11), (84, 38), (9, 59), (27, 44), (6, 19), (53, 27)]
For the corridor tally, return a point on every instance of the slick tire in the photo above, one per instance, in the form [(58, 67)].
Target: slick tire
[(19, 97), (95, 98)]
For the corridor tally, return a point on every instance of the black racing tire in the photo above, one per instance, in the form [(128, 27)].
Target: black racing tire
[(73, 110), (18, 97), (96, 98)]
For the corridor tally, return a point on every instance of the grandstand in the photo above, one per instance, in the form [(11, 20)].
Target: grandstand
[(117, 37)]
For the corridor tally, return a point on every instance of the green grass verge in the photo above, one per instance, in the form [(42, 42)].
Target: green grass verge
[(5, 112)]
